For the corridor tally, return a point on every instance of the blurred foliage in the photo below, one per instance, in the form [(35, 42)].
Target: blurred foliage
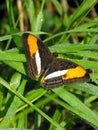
[(69, 28)]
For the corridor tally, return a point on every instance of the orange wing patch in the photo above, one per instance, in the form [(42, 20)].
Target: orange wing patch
[(42, 80), (32, 43), (72, 73)]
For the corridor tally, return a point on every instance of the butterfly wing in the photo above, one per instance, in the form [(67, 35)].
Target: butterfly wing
[(63, 72), (37, 54), (57, 71)]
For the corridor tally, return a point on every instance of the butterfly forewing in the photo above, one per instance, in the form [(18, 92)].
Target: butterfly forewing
[(38, 55), (63, 72)]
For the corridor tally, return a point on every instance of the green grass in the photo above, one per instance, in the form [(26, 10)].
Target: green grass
[(24, 104)]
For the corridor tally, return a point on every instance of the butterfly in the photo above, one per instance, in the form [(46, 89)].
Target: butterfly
[(54, 71)]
